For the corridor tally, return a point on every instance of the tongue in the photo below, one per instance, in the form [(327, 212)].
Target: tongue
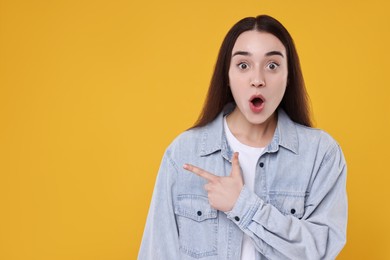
[(257, 102)]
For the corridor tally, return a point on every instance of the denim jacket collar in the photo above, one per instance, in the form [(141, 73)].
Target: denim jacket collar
[(214, 139)]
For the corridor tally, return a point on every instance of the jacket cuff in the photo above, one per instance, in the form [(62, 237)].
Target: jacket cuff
[(245, 208)]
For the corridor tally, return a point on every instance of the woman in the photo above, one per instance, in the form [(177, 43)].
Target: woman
[(251, 179)]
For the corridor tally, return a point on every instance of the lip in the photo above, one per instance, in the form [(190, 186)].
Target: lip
[(256, 108)]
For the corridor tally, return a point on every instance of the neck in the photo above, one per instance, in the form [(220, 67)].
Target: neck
[(255, 135)]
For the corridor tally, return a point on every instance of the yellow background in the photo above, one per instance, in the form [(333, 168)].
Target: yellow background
[(92, 92)]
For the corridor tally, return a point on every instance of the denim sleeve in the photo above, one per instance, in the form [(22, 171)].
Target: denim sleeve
[(319, 234), (160, 238)]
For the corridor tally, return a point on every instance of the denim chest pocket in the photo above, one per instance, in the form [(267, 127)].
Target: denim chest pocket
[(289, 203), (198, 226)]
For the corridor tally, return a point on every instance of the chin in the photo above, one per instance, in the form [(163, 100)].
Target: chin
[(260, 118)]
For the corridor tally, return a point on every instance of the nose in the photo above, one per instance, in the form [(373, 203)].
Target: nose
[(257, 80)]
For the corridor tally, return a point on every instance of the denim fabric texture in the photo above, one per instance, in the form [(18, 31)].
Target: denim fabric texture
[(298, 209)]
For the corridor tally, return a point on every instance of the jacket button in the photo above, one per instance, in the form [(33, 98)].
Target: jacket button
[(292, 211), (236, 218), (261, 165), (199, 213)]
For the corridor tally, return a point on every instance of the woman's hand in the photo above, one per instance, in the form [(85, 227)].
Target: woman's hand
[(222, 192)]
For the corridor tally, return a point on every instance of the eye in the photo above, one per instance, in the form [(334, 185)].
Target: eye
[(243, 65), (272, 66)]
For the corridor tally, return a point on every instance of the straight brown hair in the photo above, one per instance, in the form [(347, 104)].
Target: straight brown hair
[(295, 101)]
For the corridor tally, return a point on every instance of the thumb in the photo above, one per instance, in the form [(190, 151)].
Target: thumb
[(236, 169)]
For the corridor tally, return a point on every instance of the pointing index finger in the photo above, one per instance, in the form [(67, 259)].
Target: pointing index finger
[(200, 172)]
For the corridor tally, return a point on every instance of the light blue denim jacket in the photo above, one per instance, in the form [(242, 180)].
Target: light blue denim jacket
[(297, 211)]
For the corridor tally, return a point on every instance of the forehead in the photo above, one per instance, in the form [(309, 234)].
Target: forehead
[(258, 42)]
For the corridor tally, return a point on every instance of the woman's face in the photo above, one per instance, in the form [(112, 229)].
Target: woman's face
[(258, 75)]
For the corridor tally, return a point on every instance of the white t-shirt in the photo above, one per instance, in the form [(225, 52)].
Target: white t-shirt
[(248, 157)]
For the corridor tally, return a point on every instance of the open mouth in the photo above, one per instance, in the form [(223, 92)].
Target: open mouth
[(257, 101)]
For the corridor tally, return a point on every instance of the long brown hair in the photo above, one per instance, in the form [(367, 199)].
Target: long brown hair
[(295, 101)]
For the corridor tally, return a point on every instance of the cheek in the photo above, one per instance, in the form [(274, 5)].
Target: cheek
[(233, 77), (235, 83), (230, 74), (285, 78), (280, 81), (277, 88), (237, 92)]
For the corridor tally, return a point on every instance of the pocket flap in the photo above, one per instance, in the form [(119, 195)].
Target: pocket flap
[(289, 203), (195, 207)]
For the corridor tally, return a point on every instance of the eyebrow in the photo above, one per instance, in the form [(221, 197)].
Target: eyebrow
[(271, 53), (245, 53)]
